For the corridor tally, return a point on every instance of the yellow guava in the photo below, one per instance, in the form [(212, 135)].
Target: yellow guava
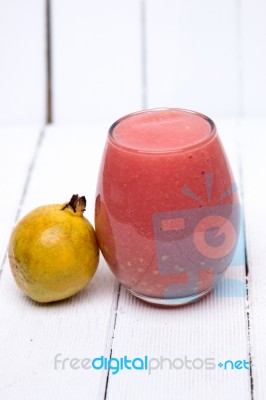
[(53, 252)]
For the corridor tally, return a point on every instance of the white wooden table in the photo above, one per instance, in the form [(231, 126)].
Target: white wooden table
[(104, 320)]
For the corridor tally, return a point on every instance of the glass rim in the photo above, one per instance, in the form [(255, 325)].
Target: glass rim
[(116, 142)]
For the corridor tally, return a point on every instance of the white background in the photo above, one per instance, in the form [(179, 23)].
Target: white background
[(111, 57)]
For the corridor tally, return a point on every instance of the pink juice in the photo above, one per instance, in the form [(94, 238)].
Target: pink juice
[(166, 217)]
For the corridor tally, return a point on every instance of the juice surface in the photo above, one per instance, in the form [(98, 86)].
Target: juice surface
[(162, 170), (162, 130)]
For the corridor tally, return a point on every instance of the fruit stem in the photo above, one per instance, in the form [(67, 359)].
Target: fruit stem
[(78, 204)]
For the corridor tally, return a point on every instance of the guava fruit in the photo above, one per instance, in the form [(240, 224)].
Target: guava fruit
[(53, 252)]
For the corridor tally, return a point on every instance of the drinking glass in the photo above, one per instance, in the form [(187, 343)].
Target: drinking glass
[(167, 211)]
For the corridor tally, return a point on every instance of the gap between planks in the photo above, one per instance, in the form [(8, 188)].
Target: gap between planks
[(26, 184), (242, 198)]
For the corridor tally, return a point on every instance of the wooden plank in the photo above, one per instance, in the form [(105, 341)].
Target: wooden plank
[(253, 138), (70, 157), (80, 327), (253, 54), (22, 66), (192, 55), (15, 162), (96, 59), (215, 328)]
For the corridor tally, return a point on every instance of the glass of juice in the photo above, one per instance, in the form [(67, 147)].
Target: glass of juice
[(167, 211)]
